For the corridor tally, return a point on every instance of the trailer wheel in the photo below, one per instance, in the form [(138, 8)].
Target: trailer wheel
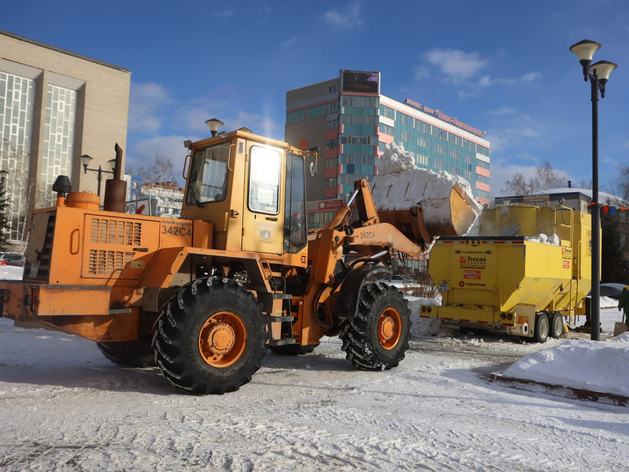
[(376, 338), (128, 353), (210, 337), (556, 325), (293, 349), (542, 328)]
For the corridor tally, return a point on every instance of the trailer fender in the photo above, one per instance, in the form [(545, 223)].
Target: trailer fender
[(524, 321)]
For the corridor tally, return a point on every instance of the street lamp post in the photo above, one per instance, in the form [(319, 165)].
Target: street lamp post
[(86, 159), (598, 75)]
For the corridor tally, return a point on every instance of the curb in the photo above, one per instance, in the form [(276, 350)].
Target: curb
[(561, 390)]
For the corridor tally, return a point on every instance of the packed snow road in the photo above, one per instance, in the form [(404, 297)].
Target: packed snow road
[(64, 407)]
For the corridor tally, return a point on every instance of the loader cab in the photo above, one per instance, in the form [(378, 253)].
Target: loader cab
[(252, 189)]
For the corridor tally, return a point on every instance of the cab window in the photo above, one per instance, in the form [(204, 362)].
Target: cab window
[(208, 177), (264, 180)]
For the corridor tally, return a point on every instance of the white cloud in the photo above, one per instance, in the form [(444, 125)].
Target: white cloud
[(505, 138), (529, 77), (348, 17), (288, 42), (147, 101), (224, 14), (171, 147), (503, 111), (158, 124), (501, 172), (455, 64)]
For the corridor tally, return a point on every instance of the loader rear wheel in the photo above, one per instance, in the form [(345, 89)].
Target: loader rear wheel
[(556, 325), (128, 353), (293, 349), (376, 337), (210, 337), (542, 328)]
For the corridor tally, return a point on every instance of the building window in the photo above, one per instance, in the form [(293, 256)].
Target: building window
[(423, 143), (331, 125), (16, 111), (387, 112), (315, 112), (333, 107), (332, 89), (58, 138), (386, 129), (332, 143), (439, 149), (295, 116)]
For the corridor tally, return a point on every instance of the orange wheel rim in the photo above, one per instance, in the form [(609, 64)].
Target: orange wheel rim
[(222, 339), (389, 328)]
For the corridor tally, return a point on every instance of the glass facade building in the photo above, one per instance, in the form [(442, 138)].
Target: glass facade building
[(351, 122)]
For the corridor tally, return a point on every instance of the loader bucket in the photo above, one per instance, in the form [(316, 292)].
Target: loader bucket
[(422, 218)]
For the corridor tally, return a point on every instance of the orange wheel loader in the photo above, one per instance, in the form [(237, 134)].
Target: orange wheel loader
[(205, 295)]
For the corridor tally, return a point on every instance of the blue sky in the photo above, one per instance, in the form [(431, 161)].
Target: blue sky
[(500, 66)]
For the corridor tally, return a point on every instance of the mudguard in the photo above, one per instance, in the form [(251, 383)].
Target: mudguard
[(353, 283)]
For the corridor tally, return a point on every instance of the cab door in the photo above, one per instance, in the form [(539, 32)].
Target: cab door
[(263, 221)]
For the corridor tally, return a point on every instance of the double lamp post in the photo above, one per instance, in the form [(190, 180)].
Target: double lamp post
[(598, 75), (86, 159)]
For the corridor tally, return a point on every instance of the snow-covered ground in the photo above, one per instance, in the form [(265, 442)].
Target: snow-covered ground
[(65, 407)]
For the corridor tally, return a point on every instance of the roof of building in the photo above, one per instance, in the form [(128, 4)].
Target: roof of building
[(603, 196), (62, 51)]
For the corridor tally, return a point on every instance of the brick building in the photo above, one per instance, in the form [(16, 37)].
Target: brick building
[(55, 106)]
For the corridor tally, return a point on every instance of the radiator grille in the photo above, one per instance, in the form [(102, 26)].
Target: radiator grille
[(108, 231), (105, 263)]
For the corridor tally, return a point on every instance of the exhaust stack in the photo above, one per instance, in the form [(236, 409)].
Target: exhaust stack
[(116, 188)]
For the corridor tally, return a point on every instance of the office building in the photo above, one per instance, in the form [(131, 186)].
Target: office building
[(351, 121), (55, 106)]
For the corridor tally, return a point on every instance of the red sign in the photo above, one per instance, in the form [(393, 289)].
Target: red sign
[(330, 204), (463, 260), (566, 264), (472, 274), (303, 144)]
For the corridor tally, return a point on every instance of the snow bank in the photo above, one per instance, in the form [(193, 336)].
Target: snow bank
[(542, 238), (400, 185), (592, 365)]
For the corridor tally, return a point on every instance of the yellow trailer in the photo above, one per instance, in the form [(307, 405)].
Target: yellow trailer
[(528, 270)]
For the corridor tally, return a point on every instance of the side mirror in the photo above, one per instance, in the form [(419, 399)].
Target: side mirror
[(312, 169)]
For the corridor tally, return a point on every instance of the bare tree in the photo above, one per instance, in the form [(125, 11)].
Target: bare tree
[(619, 185), (159, 172), (545, 178), (159, 183)]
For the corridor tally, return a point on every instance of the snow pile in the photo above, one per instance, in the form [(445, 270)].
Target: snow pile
[(542, 238), (591, 365), (11, 273), (400, 185)]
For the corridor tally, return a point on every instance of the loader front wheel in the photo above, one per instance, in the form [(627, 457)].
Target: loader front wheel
[(210, 337), (376, 337)]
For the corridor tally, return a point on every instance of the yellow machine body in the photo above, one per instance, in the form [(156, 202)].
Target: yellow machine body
[(506, 276)]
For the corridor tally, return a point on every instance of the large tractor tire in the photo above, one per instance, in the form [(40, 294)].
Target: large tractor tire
[(210, 337), (128, 353), (376, 338), (293, 349)]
